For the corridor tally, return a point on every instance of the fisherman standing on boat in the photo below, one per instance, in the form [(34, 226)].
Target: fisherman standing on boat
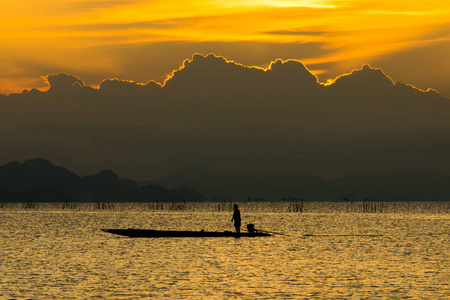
[(237, 219)]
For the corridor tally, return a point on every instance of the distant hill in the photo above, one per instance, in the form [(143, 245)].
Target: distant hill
[(380, 186), (154, 192), (39, 175), (38, 180)]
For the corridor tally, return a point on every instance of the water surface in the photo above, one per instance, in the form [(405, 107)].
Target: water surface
[(61, 254)]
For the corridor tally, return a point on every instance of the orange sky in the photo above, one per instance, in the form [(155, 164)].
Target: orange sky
[(144, 40)]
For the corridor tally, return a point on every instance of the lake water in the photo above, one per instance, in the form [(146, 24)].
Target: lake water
[(62, 253)]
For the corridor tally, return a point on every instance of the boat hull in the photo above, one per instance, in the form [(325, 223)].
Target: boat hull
[(147, 233)]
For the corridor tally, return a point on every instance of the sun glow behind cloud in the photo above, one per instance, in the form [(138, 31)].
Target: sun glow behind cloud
[(281, 3), (47, 36)]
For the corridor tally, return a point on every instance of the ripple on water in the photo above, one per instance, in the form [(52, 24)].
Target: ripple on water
[(64, 255)]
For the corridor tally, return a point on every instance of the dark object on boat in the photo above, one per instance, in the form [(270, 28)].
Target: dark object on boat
[(168, 233)]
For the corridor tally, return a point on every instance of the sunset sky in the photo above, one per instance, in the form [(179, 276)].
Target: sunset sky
[(144, 40)]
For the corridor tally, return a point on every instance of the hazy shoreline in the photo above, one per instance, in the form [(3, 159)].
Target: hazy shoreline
[(364, 207)]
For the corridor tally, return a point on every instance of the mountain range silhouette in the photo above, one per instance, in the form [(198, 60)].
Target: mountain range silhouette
[(38, 180)]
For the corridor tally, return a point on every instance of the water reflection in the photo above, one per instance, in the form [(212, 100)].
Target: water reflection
[(63, 254)]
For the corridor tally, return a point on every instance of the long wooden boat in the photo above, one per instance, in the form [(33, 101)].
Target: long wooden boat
[(147, 233)]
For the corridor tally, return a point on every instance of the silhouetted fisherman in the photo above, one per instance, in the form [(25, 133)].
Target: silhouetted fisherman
[(237, 219)]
